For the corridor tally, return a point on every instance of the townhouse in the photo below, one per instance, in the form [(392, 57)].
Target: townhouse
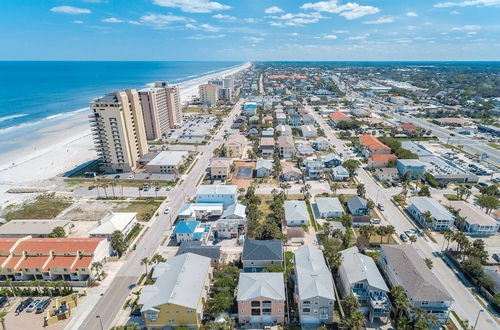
[(440, 218), (380, 160)]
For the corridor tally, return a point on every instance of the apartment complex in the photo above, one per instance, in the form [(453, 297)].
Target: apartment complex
[(209, 94), (161, 109), (118, 128)]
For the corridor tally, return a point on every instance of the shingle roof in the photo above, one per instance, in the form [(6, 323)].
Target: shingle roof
[(266, 285), (313, 276), (296, 210), (179, 281), (417, 279), (262, 250), (438, 211), (209, 251), (355, 203), (328, 204), (359, 267), (264, 163), (236, 210)]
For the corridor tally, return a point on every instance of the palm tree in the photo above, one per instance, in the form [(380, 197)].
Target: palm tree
[(413, 239), (354, 322), (105, 186), (113, 185), (38, 284), (145, 261), (3, 314), (285, 186), (389, 231), (9, 283), (427, 216), (428, 262), (157, 258), (400, 300), (334, 187), (381, 231), (448, 235), (97, 267)]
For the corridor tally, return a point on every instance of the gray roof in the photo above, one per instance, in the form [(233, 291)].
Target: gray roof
[(217, 190), (28, 227), (411, 162), (179, 281), (337, 225), (235, 210), (296, 210), (358, 267), (355, 203), (262, 250), (328, 204), (313, 276), (209, 251), (438, 211), (168, 158), (266, 285), (417, 279), (340, 170), (472, 214), (329, 157), (264, 163)]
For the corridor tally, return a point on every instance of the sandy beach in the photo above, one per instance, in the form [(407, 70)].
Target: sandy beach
[(65, 145)]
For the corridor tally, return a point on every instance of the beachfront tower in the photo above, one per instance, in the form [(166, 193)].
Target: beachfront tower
[(209, 94), (118, 128)]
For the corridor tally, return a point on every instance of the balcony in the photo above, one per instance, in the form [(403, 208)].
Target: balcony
[(380, 305)]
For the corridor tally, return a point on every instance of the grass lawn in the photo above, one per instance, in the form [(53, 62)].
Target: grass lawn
[(494, 145), (264, 205), (451, 197), (133, 233), (45, 206), (145, 208), (375, 239)]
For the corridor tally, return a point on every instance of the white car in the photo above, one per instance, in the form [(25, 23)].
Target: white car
[(33, 305), (167, 210)]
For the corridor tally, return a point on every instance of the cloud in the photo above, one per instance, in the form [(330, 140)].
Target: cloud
[(411, 27), (202, 27), (340, 31), (350, 10), (159, 20), (359, 37), (293, 34), (251, 20), (224, 17), (273, 10), (468, 3), (205, 36), (192, 6), (295, 19), (78, 22), (381, 20), (466, 28), (112, 20), (411, 14), (134, 22), (70, 10), (454, 12), (330, 37), (253, 39)]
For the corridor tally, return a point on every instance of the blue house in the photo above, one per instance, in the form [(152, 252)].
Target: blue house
[(295, 119), (414, 167), (225, 194), (330, 160), (358, 206), (191, 230)]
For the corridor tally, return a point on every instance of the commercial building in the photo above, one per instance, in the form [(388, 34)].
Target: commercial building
[(404, 267), (167, 162), (441, 218), (209, 94), (414, 167), (179, 293), (337, 117), (296, 213), (118, 130), (261, 298), (225, 194), (314, 292), (259, 254), (33, 228), (51, 259), (360, 276)]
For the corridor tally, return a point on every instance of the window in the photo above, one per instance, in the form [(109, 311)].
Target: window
[(358, 285), (255, 312), (306, 310), (266, 311), (255, 303), (189, 310), (425, 302)]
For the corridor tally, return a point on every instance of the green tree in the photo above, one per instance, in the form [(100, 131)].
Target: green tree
[(146, 262), (402, 323), (488, 203), (361, 190), (57, 232), (3, 314), (351, 165), (96, 266), (118, 242), (429, 263), (424, 191), (400, 300), (429, 220), (334, 187), (157, 258)]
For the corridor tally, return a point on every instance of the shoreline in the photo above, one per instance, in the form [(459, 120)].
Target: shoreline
[(67, 143)]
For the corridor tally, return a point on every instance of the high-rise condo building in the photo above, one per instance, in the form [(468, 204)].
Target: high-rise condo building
[(118, 128), (228, 82), (174, 106), (209, 94)]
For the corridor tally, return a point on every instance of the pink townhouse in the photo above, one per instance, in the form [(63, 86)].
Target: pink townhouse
[(261, 298)]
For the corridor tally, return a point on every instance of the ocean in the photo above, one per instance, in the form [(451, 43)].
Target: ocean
[(34, 95)]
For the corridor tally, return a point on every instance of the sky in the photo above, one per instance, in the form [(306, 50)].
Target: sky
[(250, 30)]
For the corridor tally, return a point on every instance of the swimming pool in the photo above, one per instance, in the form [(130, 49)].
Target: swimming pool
[(244, 172)]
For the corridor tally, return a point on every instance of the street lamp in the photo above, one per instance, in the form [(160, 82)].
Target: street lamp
[(477, 319), (100, 321)]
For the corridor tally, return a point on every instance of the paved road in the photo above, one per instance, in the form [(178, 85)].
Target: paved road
[(470, 145), (113, 299), (465, 304)]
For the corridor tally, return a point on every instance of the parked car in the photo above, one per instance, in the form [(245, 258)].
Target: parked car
[(33, 305), (117, 176), (91, 187), (168, 188), (380, 207), (23, 305), (404, 238), (3, 301), (131, 176), (42, 306), (157, 188), (167, 210), (375, 221)]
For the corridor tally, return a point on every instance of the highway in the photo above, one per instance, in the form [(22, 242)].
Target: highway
[(465, 304), (113, 299)]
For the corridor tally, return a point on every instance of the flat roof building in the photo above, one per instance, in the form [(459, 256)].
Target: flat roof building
[(167, 162), (33, 228)]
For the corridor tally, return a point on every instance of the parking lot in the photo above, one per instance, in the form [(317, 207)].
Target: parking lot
[(194, 130), (30, 320)]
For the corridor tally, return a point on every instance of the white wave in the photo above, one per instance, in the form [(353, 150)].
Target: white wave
[(13, 117)]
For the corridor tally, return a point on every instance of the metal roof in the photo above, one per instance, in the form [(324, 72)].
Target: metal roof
[(313, 276), (168, 158), (358, 267), (217, 190), (438, 211), (328, 204), (266, 285), (296, 210), (236, 210)]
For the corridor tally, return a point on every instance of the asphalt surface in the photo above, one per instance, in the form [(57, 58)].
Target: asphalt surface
[(465, 304), (113, 299)]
